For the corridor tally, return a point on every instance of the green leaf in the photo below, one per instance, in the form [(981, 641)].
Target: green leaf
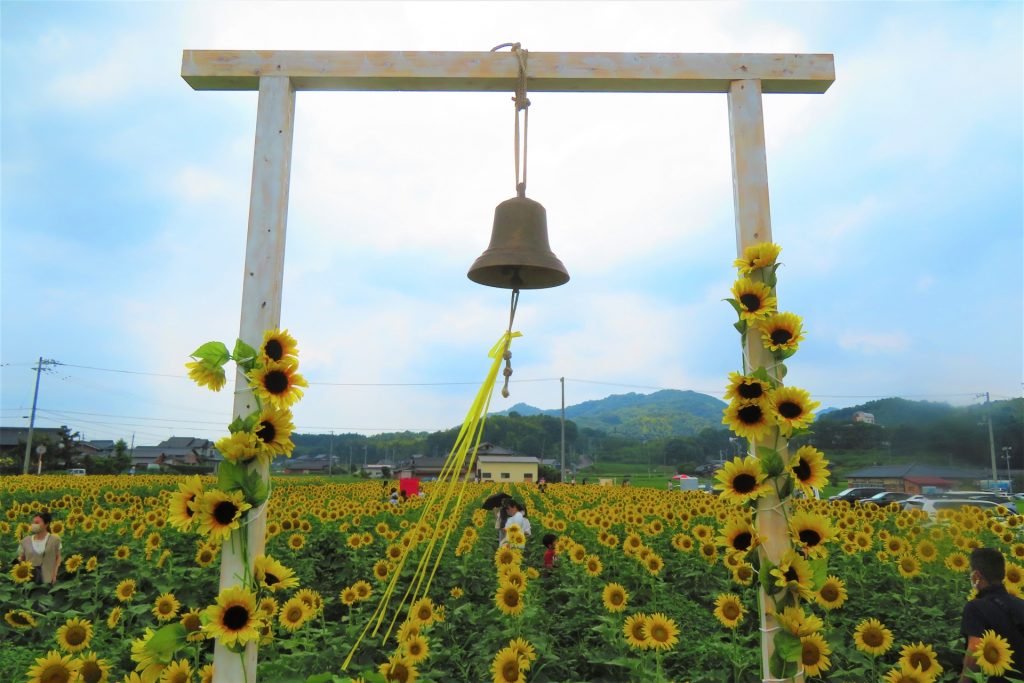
[(251, 420), (786, 488), (741, 326), (255, 487), (243, 352), (819, 572), (237, 425), (325, 677), (788, 646), (762, 375), (166, 641), (735, 304), (771, 461), (214, 354), (230, 476)]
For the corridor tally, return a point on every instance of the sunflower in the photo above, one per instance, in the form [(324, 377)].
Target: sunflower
[(754, 299), (206, 375), (53, 668), (91, 563), (748, 419), (409, 629), (794, 574), (206, 674), (792, 408), (781, 331), (636, 634), (240, 447), (233, 620), (113, 618), (398, 669), (347, 596), (219, 513), (993, 653), (593, 565), (293, 614), (798, 622), (743, 574), (22, 572), (661, 632), (92, 669), (277, 383), (206, 554), (314, 601), (957, 562), (273, 575), (524, 649), (810, 531), (456, 592), (814, 653), (508, 666), (832, 593), (274, 430), (509, 600), (416, 649), (904, 675), (193, 624), (923, 657), (741, 480), (279, 345), (177, 672), (381, 570), (72, 564), (615, 597), (729, 610), (74, 635), (908, 565), (364, 590), (182, 514), (809, 469), (738, 535), (20, 619), (166, 607), (746, 387), (760, 255)]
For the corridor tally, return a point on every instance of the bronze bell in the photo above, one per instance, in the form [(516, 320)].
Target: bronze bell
[(519, 256)]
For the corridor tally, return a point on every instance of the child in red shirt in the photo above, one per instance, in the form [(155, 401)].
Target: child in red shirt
[(549, 553)]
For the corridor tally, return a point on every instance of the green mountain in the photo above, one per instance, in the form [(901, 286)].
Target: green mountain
[(663, 414)]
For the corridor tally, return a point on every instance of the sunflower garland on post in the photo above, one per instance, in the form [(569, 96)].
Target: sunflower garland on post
[(792, 548), (221, 512)]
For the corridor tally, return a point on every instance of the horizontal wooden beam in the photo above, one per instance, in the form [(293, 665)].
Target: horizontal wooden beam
[(497, 71)]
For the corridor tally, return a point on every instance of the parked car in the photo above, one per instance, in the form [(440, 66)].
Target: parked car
[(933, 505), (709, 467), (856, 493), (885, 497), (77, 472)]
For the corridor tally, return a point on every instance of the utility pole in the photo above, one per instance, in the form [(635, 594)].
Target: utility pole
[(991, 439), (1009, 473), (32, 418), (330, 457), (562, 380)]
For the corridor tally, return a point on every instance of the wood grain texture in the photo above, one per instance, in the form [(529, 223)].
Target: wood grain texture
[(261, 310), (497, 71)]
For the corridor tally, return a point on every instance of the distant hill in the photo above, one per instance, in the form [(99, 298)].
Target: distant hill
[(895, 411), (665, 413)]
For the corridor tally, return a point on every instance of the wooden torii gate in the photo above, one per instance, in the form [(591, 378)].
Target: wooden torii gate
[(278, 75)]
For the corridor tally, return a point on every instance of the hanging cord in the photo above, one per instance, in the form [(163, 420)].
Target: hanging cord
[(522, 104), (507, 355)]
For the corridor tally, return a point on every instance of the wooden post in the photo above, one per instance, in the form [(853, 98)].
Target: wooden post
[(261, 310), (753, 225)]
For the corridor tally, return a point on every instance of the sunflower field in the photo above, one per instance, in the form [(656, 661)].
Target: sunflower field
[(649, 585)]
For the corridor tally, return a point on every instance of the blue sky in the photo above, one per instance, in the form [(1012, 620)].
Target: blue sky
[(897, 198)]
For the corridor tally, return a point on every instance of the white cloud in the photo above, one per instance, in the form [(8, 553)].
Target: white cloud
[(875, 343)]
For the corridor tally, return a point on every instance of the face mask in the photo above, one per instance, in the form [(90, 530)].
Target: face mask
[(36, 528)]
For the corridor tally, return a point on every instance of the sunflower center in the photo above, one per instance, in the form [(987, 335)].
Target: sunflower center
[(414, 649), (75, 635), (55, 673), (750, 391), (872, 637), (270, 579), (829, 593), (659, 633), (276, 382), (791, 575), (273, 349), (224, 512), (744, 483), (615, 599), (920, 660), (811, 654), (165, 608), (810, 537), (781, 336), (191, 623), (266, 432), (802, 470), (751, 302), (19, 619), (510, 670), (730, 611), (741, 541), (236, 617), (991, 653), (750, 415), (511, 598), (90, 672), (790, 410)]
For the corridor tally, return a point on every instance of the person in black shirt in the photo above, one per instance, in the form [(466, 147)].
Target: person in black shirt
[(993, 608)]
